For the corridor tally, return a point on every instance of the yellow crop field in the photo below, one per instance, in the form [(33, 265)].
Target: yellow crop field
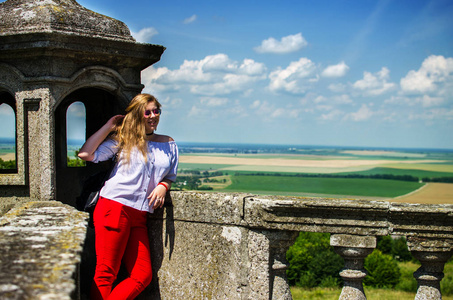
[(278, 163), (435, 167), (430, 193)]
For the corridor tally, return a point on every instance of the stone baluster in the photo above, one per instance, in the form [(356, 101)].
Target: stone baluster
[(432, 254), (279, 244), (267, 253), (353, 249)]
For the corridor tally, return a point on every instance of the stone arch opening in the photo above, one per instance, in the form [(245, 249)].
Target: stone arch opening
[(100, 105), (8, 101), (75, 133)]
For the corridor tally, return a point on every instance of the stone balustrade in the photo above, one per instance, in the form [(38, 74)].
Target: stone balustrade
[(221, 246), (233, 246)]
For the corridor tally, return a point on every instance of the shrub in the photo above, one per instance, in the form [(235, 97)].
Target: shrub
[(312, 260), (446, 285), (400, 250), (396, 247), (9, 164), (77, 162), (326, 264), (307, 279), (385, 244), (383, 271)]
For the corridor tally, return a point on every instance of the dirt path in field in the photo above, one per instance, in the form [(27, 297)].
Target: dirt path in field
[(8, 156), (430, 193)]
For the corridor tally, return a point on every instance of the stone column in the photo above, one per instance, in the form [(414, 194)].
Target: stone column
[(39, 133), (432, 254), (279, 244), (267, 257), (353, 249)]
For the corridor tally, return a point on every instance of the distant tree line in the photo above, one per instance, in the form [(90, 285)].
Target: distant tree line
[(371, 176), (192, 179), (438, 179)]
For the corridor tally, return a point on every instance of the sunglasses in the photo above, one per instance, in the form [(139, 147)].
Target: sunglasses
[(155, 112)]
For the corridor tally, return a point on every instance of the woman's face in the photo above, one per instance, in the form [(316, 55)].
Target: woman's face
[(151, 115)]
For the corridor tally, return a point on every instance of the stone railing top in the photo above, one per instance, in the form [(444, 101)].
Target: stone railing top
[(62, 16), (356, 217), (40, 246)]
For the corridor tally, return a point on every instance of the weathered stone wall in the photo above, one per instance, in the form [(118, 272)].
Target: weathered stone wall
[(200, 251), (218, 246), (40, 249)]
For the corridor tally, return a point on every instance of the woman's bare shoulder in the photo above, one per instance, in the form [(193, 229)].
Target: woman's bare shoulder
[(162, 138)]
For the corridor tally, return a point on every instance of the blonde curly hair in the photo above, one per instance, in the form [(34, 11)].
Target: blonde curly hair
[(131, 133)]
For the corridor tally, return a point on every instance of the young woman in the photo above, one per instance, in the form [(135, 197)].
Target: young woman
[(146, 166)]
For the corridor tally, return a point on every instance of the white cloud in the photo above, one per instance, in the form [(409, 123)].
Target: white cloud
[(77, 109), (434, 72), (319, 99), (236, 110), (428, 101), (327, 108), (255, 104), (170, 103), (190, 19), (332, 115), (6, 110), (144, 35), (228, 84), (334, 100), (213, 102), (425, 101), (250, 67), (271, 111), (287, 44), (337, 87), (222, 63), (399, 100), (374, 84), (363, 114), (213, 75), (218, 108), (295, 78), (433, 114), (196, 111), (338, 70), (342, 99)]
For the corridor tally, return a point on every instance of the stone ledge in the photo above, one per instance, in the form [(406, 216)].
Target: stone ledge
[(40, 247)]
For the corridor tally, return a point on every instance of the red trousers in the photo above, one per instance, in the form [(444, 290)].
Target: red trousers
[(121, 233)]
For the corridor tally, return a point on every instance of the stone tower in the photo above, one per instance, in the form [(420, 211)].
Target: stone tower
[(52, 54)]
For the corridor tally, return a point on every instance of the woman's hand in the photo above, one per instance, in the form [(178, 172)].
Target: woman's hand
[(114, 122), (157, 196), (87, 151)]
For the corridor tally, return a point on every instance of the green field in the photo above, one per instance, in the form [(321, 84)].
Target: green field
[(295, 181), (332, 186)]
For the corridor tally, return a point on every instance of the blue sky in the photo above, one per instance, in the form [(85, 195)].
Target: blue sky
[(338, 73)]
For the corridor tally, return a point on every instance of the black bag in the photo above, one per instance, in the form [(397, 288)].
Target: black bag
[(91, 188)]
